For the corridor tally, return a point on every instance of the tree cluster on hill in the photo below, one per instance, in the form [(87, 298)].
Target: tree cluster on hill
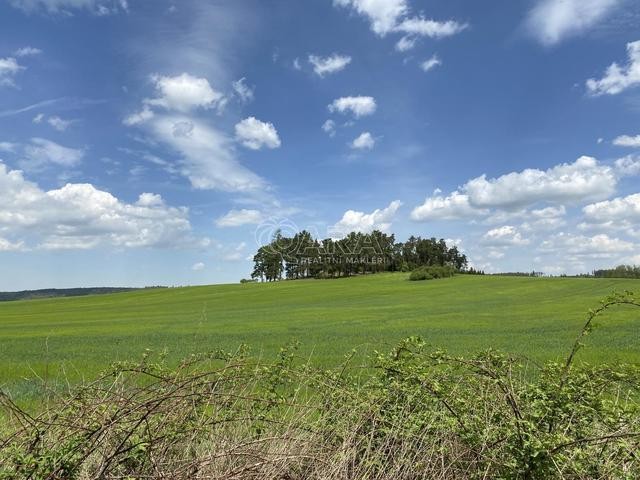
[(621, 271), (303, 256)]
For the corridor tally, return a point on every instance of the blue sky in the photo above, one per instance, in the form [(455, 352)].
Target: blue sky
[(146, 143)]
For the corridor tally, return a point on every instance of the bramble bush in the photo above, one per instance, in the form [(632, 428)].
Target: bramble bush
[(412, 413)]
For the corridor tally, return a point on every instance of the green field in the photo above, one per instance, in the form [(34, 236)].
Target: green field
[(536, 317)]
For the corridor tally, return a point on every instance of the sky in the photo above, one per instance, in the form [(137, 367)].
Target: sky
[(162, 142)]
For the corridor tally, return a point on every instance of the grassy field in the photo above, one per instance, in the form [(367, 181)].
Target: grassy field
[(536, 317)]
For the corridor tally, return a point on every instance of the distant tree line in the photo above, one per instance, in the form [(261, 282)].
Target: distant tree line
[(63, 292), (621, 271), (533, 274), (303, 256)]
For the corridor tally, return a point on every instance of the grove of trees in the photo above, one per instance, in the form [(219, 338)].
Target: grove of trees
[(621, 271), (303, 256)]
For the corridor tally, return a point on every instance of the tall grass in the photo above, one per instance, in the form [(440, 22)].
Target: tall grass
[(411, 413)]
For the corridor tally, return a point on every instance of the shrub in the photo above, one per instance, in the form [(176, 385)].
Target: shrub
[(432, 272)]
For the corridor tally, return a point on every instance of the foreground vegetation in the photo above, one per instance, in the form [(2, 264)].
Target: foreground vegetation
[(417, 413), (55, 341)]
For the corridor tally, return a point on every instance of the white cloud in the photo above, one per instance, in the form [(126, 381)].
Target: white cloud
[(58, 123), (237, 218), (616, 78), (8, 147), (551, 21), (391, 16), (235, 254), (584, 179), (97, 7), (41, 152), (184, 93), (453, 207), (27, 52), (406, 43), (628, 166), (326, 65), (419, 26), (598, 246), (354, 221), (430, 64), (139, 117), (329, 127), (244, 91), (364, 141), (505, 236), (150, 200), (207, 160), (208, 157), (383, 14), (198, 267), (359, 106), (627, 141), (80, 216), (509, 195), (38, 118), (7, 246), (9, 67), (616, 210), (255, 134)]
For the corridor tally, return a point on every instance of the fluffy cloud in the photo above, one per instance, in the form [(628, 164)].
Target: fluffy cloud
[(503, 237), (254, 134), (382, 14), (207, 155), (326, 65), (430, 64), (585, 179), (628, 166), (184, 93), (627, 141), (27, 52), (392, 16), (9, 67), (616, 78), (359, 106), (551, 21), (364, 141), (422, 27), (353, 221), (79, 216), (237, 218), (242, 90), (598, 246), (97, 7), (452, 207), (198, 267), (617, 209)]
